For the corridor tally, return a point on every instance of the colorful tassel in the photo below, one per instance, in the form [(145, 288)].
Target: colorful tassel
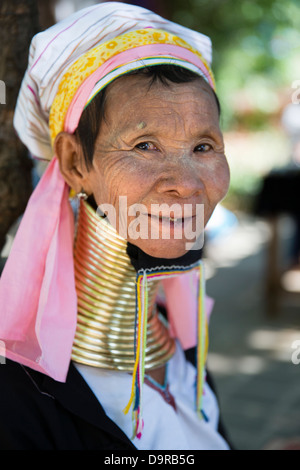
[(136, 397), (202, 341)]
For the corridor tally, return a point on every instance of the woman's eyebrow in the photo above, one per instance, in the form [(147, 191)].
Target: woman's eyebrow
[(144, 130), (133, 137), (212, 131)]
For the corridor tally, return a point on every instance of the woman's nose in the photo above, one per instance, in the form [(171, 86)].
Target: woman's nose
[(181, 180)]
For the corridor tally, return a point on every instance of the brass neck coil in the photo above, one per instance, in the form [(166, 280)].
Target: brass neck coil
[(106, 297)]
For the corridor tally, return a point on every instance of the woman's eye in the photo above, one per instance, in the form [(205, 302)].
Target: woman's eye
[(146, 146), (203, 148)]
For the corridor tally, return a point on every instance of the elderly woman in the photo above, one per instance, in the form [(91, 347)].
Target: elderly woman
[(103, 317)]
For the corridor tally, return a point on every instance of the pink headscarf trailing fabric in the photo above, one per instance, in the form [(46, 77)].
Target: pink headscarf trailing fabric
[(37, 290), (38, 302)]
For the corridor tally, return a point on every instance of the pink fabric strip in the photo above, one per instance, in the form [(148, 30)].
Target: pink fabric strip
[(181, 302), (138, 53), (37, 290)]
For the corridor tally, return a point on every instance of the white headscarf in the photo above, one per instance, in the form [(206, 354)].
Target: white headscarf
[(54, 50)]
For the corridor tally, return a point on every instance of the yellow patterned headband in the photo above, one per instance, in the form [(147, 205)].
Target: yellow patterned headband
[(106, 62)]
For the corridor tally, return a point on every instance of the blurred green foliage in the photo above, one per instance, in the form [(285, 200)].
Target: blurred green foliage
[(255, 43)]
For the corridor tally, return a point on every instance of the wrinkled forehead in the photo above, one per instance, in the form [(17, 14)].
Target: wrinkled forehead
[(132, 96), (133, 109)]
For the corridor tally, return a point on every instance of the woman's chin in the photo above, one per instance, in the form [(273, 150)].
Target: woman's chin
[(168, 249)]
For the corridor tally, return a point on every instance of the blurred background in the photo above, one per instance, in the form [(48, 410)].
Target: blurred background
[(252, 251)]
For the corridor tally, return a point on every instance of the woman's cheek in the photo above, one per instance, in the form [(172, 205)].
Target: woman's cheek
[(217, 183), (221, 178), (225, 178)]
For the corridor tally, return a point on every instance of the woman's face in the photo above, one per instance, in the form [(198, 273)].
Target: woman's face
[(159, 145)]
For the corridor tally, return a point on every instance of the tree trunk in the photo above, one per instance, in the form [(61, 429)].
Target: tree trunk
[(18, 24)]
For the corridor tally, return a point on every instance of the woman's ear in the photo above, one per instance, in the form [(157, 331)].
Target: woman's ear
[(71, 164)]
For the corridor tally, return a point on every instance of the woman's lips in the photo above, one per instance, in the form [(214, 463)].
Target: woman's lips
[(171, 222)]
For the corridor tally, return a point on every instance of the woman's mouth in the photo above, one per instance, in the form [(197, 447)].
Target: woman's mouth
[(171, 221)]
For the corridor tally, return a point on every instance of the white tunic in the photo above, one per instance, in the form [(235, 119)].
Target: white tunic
[(164, 427)]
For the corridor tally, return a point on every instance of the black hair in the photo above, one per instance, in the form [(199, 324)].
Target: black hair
[(92, 116)]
